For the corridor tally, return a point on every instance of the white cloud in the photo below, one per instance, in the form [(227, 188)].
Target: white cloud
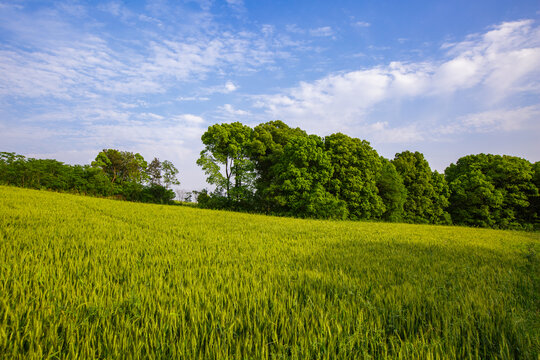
[(226, 88), (151, 116), (383, 133), (228, 109), (293, 28), (362, 24), (498, 65), (230, 87), (322, 31), (235, 2), (190, 119), (501, 119), (193, 98), (79, 65), (268, 29)]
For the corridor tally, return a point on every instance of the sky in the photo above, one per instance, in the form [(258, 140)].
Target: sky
[(446, 78)]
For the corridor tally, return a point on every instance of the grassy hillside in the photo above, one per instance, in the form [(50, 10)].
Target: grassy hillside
[(97, 278)]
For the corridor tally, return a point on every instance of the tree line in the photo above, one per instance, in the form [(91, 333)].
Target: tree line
[(275, 169), (113, 173)]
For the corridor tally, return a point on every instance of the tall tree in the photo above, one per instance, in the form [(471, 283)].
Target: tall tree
[(392, 191), (304, 173), (225, 159), (153, 172), (169, 174), (269, 140), (426, 191), (356, 167), (474, 201)]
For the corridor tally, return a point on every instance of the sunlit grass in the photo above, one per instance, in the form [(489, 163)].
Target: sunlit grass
[(92, 278)]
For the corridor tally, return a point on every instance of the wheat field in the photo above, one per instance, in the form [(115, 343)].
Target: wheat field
[(82, 277)]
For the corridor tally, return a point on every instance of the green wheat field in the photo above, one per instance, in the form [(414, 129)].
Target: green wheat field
[(86, 278)]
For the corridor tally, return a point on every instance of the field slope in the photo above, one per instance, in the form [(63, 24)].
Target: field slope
[(92, 278)]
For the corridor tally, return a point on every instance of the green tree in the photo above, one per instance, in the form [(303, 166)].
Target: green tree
[(492, 190), (534, 199), (153, 172), (169, 174), (474, 201), (439, 213), (121, 166), (227, 146), (11, 166), (426, 191), (356, 166), (267, 146), (392, 191), (304, 173)]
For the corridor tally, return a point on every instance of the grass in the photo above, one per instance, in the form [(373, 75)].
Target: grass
[(82, 277)]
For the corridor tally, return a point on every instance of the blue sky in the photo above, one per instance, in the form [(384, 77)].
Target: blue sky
[(447, 78)]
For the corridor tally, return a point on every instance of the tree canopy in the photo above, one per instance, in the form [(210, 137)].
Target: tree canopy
[(493, 191), (225, 159)]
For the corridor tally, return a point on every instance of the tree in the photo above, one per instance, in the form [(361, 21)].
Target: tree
[(266, 150), (426, 191), (392, 191), (121, 166), (11, 168), (153, 172), (227, 146), (492, 190), (169, 174), (304, 172), (440, 202), (356, 166), (474, 201), (534, 199)]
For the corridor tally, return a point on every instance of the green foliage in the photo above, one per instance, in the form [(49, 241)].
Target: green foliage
[(113, 173), (170, 173), (90, 278), (392, 192), (427, 192), (275, 169), (269, 140), (492, 190), (534, 214), (121, 166), (304, 173), (356, 167), (474, 200), (153, 172), (227, 145)]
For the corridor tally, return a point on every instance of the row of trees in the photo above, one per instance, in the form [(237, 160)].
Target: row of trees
[(276, 169), (120, 174)]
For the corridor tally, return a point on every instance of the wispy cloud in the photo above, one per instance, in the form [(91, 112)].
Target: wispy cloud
[(361, 24), (322, 31), (496, 120), (228, 109), (89, 66), (193, 98)]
